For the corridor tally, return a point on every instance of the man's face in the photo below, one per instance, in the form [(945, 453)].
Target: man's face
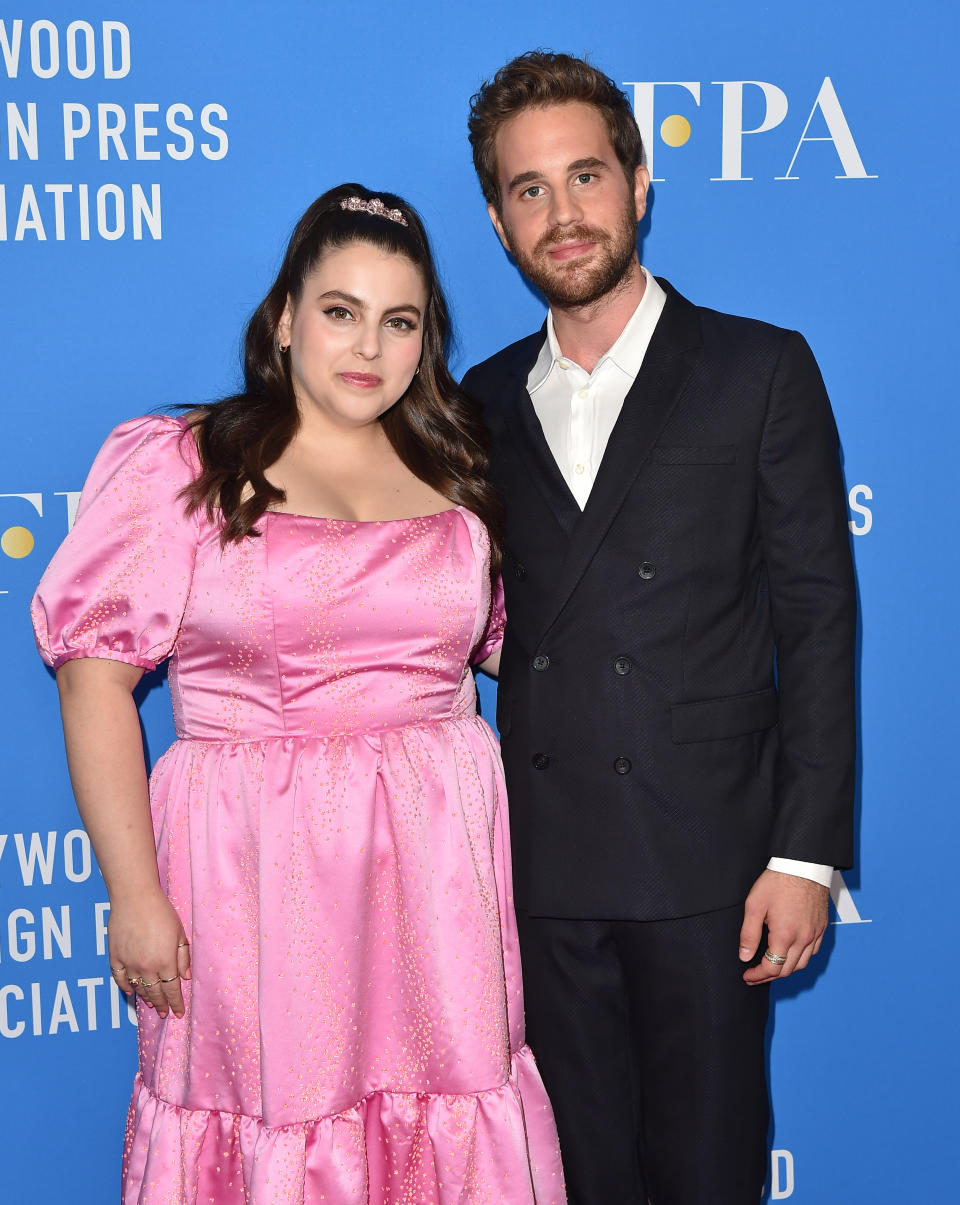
[(568, 215)]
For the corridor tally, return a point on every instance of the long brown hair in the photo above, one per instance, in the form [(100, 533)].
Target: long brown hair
[(434, 428), (535, 80)]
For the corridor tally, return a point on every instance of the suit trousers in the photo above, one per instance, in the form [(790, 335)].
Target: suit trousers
[(652, 1050)]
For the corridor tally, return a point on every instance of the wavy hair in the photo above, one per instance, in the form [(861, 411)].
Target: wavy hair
[(434, 428), (535, 80)]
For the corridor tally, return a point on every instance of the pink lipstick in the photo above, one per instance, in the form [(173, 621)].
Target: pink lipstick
[(360, 380)]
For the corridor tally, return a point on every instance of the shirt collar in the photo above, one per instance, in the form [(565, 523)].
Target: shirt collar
[(627, 352)]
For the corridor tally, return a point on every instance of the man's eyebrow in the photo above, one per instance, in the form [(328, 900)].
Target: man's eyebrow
[(578, 165), (523, 178)]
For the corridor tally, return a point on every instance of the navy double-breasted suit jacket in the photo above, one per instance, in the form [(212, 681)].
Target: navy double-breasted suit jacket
[(676, 696)]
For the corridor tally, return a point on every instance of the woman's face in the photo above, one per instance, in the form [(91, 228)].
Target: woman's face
[(355, 334)]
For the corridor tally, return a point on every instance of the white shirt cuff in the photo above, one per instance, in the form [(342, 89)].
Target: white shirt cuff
[(803, 870)]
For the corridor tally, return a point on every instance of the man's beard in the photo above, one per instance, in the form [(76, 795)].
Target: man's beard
[(570, 284)]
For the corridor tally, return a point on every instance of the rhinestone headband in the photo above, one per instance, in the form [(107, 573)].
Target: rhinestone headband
[(374, 206)]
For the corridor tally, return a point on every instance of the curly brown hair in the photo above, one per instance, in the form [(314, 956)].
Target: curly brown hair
[(435, 429), (537, 79)]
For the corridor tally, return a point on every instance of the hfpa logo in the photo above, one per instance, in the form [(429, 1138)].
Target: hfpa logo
[(768, 105), (18, 540)]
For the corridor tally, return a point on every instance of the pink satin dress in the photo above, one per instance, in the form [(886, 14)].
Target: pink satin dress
[(331, 828)]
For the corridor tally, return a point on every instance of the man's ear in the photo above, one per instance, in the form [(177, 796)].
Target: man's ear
[(498, 226), (641, 182)]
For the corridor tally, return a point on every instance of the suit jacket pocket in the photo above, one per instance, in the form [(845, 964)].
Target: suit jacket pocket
[(718, 719), (721, 454)]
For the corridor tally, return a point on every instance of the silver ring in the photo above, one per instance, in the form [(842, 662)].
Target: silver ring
[(777, 959)]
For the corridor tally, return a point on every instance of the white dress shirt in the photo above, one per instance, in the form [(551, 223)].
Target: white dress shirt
[(577, 411)]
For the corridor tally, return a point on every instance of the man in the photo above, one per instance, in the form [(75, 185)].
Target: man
[(676, 685)]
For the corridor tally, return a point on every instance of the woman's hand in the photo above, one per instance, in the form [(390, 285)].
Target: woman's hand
[(149, 951)]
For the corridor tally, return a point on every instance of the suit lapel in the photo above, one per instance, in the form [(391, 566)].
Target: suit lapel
[(531, 443), (646, 409)]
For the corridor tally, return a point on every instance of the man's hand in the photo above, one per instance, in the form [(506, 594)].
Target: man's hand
[(795, 913)]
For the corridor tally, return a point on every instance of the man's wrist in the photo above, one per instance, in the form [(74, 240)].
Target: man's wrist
[(813, 871)]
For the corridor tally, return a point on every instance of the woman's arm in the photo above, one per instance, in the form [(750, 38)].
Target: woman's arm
[(105, 756), (492, 665)]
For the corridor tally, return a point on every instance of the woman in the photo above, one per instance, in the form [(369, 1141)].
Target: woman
[(317, 921)]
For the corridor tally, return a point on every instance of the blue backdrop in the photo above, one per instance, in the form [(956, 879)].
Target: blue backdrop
[(152, 164)]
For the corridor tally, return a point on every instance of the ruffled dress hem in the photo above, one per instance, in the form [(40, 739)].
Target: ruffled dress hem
[(496, 1147)]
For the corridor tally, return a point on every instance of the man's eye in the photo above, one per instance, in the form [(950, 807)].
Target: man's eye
[(533, 191), (585, 177)]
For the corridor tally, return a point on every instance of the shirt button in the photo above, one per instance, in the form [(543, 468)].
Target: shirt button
[(563, 363), (578, 469), (622, 765), (520, 573), (541, 662), (540, 761), (583, 393), (623, 665), (647, 570)]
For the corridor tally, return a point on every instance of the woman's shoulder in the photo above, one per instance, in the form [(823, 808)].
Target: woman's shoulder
[(160, 426), (148, 427), (150, 444)]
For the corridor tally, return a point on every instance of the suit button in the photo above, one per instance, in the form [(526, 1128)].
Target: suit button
[(647, 570), (541, 661), (623, 665), (622, 765), (540, 761), (520, 573)]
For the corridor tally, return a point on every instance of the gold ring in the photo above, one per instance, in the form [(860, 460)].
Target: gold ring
[(118, 970), (182, 945), (777, 959), (154, 984), (170, 980)]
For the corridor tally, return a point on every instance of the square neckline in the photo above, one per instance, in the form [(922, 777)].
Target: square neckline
[(290, 514), (187, 427)]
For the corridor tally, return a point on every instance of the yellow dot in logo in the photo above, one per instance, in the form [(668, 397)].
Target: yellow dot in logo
[(17, 542), (675, 130)]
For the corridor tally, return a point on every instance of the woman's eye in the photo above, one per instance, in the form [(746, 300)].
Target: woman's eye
[(400, 324), (338, 312)]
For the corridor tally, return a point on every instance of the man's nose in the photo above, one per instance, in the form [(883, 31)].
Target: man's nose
[(565, 208)]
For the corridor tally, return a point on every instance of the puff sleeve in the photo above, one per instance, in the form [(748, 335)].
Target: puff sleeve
[(492, 638), (118, 585)]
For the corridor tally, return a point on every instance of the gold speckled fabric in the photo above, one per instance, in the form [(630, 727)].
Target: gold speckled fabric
[(331, 827)]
